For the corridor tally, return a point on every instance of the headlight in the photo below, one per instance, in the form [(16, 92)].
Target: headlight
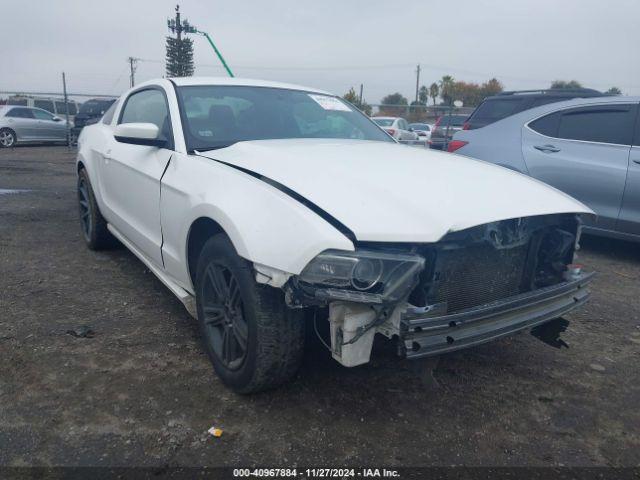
[(371, 276)]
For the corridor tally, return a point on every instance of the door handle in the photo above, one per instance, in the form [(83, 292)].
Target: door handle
[(636, 160), (546, 148)]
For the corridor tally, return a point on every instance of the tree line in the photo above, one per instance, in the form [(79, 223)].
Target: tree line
[(447, 90)]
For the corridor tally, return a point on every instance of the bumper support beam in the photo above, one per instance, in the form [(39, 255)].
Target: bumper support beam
[(427, 332)]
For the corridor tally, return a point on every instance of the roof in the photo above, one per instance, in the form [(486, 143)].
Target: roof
[(192, 81), (587, 101), (532, 113), (553, 92)]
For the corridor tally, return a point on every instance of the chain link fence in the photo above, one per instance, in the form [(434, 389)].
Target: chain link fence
[(419, 113)]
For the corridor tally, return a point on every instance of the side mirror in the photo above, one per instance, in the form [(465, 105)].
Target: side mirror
[(56, 119), (139, 134)]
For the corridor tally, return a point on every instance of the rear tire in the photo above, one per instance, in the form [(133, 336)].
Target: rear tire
[(7, 138), (254, 341), (94, 226)]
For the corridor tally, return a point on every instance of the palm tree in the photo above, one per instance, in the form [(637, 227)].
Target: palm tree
[(446, 89), (434, 91)]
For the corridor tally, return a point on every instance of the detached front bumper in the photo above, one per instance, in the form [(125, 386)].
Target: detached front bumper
[(426, 332)]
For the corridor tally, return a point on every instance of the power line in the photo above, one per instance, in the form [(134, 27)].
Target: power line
[(423, 66)]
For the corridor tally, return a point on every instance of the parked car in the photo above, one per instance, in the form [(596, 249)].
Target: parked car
[(260, 204), (584, 147), (397, 127), (25, 124), (423, 130), (444, 129), (91, 112), (500, 106), (53, 105)]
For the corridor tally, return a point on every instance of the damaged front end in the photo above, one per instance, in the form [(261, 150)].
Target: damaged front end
[(470, 287)]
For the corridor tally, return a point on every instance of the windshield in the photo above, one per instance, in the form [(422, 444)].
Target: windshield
[(95, 107), (216, 116), (384, 122)]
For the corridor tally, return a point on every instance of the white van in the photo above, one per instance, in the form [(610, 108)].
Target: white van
[(50, 104)]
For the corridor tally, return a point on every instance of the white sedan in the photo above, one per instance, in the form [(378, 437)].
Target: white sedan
[(423, 130), (263, 206), (398, 128)]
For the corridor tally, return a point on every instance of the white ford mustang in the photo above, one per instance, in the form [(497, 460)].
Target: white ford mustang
[(255, 202)]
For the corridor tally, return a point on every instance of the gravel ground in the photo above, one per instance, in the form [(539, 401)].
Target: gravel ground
[(141, 391)]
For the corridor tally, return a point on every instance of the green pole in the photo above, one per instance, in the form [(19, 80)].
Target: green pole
[(217, 53)]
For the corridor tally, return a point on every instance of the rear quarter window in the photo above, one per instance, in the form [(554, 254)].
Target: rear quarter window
[(547, 125)]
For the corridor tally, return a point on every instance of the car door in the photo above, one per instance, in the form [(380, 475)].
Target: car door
[(629, 220), (22, 121), (402, 130), (48, 128), (130, 174), (584, 151)]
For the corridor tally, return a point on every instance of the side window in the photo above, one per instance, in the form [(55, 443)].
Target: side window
[(636, 141), (107, 118), (606, 124), (19, 113), (17, 101), (61, 108), (491, 111), (44, 104), (41, 115), (148, 106)]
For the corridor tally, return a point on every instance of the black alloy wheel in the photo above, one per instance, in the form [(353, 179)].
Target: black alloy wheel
[(225, 326)]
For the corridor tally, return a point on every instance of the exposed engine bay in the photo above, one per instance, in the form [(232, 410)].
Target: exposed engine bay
[(470, 287)]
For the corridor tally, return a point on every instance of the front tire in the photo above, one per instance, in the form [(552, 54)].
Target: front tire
[(252, 339), (94, 226), (7, 138)]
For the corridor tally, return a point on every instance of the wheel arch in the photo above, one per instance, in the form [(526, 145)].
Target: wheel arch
[(201, 230), (15, 134)]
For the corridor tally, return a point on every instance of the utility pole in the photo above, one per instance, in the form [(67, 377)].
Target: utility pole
[(133, 64), (417, 81), (66, 109), (361, 88), (177, 26)]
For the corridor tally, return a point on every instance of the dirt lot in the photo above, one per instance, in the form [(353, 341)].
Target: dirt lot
[(141, 391)]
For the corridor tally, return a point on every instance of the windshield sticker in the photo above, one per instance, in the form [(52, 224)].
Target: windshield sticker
[(330, 103)]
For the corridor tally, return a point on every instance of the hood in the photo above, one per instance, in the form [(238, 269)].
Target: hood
[(395, 193)]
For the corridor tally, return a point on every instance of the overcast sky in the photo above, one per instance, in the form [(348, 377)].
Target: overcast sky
[(328, 44)]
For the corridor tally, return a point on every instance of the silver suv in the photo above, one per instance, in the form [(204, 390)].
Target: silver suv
[(588, 148)]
